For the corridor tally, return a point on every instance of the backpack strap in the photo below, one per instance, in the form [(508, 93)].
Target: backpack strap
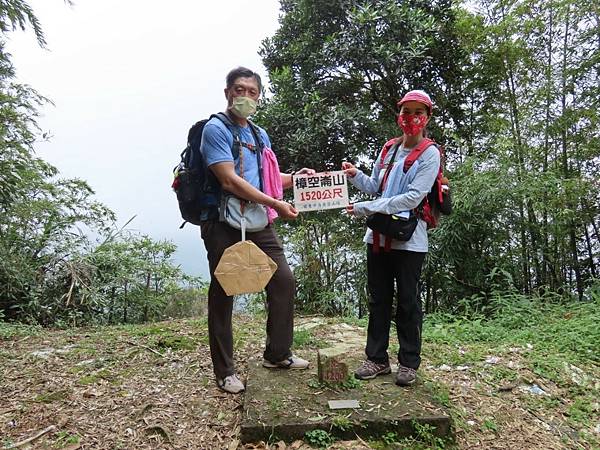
[(395, 144), (408, 162), (424, 210), (416, 153), (386, 147), (257, 135), (261, 145), (237, 143)]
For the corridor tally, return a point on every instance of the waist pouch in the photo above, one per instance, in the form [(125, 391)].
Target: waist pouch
[(232, 209), (393, 226)]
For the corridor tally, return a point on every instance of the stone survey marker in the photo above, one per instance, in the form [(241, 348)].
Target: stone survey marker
[(285, 404), (331, 367)]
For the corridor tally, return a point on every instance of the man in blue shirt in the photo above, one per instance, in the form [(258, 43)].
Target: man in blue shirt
[(241, 178)]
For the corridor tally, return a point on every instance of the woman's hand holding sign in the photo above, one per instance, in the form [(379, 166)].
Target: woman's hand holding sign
[(350, 172), (349, 169)]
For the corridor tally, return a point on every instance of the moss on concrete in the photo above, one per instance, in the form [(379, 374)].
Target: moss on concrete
[(288, 403)]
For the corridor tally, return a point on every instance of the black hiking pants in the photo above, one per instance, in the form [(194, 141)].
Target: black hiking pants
[(218, 236), (384, 270)]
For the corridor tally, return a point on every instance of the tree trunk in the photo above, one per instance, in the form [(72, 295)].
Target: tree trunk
[(590, 251), (111, 309), (125, 302), (565, 161), (147, 290), (514, 112), (546, 269)]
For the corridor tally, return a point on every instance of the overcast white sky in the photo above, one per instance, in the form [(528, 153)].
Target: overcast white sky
[(128, 78)]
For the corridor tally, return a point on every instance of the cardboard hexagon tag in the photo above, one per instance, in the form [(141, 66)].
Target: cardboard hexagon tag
[(244, 268)]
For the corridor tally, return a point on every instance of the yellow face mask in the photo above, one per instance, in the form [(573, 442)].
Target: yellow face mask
[(243, 107)]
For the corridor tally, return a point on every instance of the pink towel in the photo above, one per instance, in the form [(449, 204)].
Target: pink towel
[(271, 179)]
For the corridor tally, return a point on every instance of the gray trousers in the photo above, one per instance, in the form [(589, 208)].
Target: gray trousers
[(218, 236)]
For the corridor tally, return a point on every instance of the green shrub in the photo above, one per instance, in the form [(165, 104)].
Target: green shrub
[(318, 438)]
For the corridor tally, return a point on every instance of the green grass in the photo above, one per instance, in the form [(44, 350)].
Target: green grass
[(96, 377), (424, 438), (304, 338), (173, 342), (12, 330), (552, 334), (550, 338), (341, 423), (565, 329), (50, 397), (251, 332), (500, 374), (490, 425), (349, 383), (363, 322), (439, 392), (582, 411), (275, 404), (64, 439)]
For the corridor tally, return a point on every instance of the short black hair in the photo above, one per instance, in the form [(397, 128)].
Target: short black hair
[(242, 72)]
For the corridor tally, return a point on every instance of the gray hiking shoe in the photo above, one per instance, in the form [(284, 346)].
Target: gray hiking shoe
[(405, 375), (231, 384), (293, 362), (369, 370)]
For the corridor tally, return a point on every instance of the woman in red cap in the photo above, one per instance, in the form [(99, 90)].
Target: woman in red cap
[(392, 262)]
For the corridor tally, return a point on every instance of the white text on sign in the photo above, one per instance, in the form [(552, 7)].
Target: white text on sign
[(325, 190)]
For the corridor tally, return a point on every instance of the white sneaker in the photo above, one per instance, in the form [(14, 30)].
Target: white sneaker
[(293, 362), (231, 384)]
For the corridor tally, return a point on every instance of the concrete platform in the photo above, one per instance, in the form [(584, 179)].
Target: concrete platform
[(285, 404)]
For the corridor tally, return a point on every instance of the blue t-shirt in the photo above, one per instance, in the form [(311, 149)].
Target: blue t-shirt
[(217, 142)]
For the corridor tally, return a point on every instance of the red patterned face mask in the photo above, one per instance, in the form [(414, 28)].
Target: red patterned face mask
[(412, 124)]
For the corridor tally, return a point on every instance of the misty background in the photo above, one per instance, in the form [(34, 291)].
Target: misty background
[(127, 80)]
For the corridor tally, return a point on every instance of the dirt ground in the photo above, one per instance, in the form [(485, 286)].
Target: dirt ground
[(151, 387)]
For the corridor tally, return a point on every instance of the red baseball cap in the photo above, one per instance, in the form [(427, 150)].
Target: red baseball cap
[(417, 96)]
